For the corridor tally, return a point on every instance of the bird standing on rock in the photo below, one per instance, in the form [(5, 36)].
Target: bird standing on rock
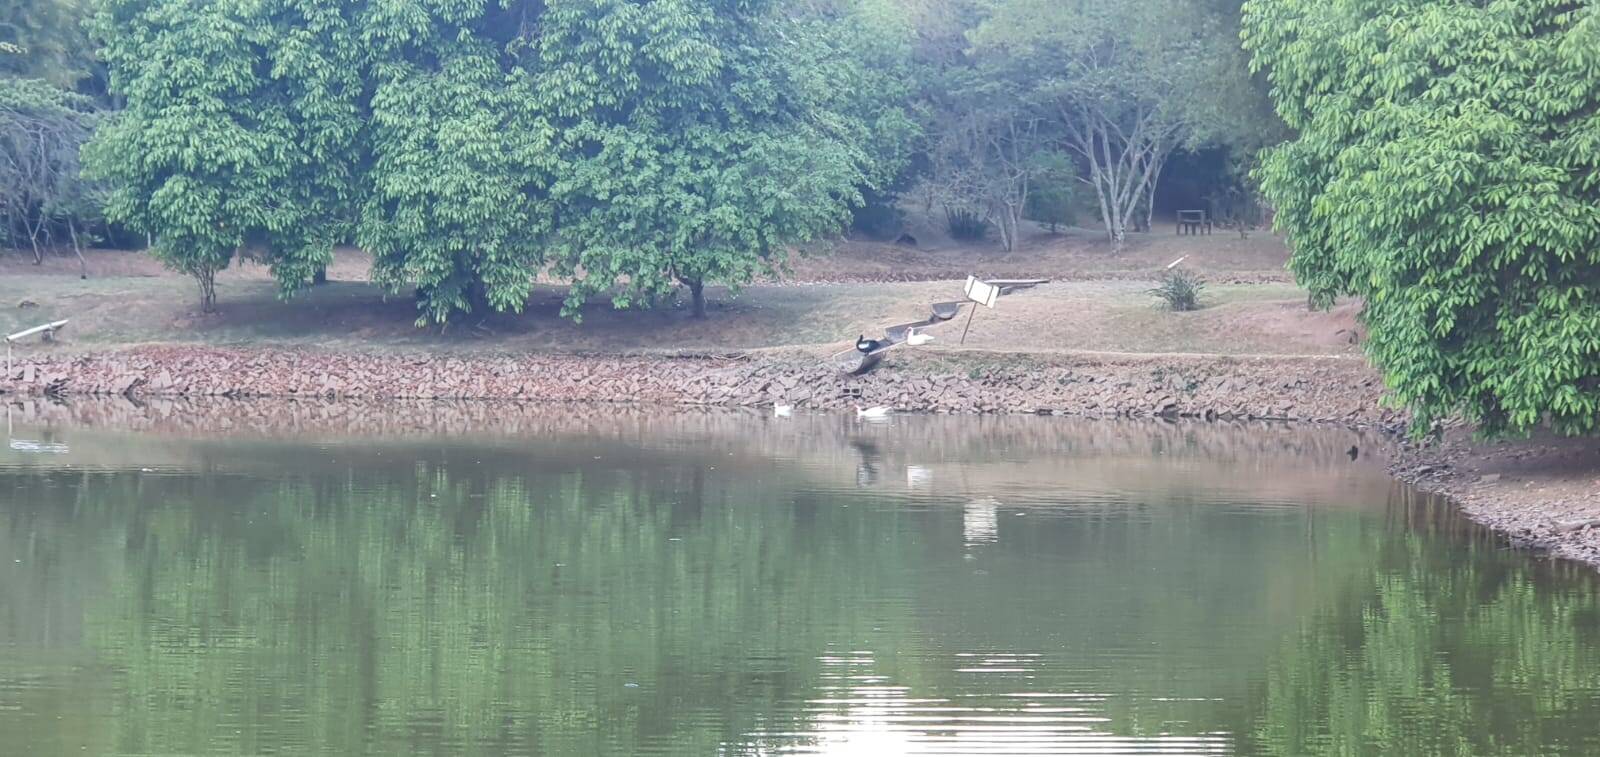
[(872, 413)]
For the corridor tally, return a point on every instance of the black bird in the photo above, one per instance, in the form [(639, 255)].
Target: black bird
[(1353, 453), (863, 344)]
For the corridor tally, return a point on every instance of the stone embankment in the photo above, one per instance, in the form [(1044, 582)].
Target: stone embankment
[(1333, 390)]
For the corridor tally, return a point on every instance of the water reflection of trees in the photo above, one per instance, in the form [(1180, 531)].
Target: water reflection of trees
[(490, 594), (474, 613), (1440, 652)]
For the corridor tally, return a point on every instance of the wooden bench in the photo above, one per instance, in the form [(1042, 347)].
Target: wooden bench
[(1193, 222)]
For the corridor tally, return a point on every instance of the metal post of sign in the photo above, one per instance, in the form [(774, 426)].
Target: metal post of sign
[(980, 293)]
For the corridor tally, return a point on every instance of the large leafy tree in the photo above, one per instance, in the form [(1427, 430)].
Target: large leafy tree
[(237, 132), (454, 194), (632, 145), (1447, 171), (691, 148)]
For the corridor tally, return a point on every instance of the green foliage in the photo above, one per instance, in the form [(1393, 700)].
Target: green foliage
[(1052, 198), (983, 141), (1180, 290), (452, 202), (626, 145), (237, 131), (1447, 171), (687, 152)]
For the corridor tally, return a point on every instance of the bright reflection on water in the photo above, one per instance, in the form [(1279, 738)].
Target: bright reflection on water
[(487, 579)]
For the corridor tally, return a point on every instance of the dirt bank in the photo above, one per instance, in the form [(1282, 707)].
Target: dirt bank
[(1331, 389)]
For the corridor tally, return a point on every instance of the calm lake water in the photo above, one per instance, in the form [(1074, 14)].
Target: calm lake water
[(605, 581)]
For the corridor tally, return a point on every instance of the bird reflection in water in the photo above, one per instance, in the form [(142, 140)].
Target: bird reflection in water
[(867, 469)]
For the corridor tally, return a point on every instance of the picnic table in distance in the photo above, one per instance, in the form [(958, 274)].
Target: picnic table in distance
[(1193, 222)]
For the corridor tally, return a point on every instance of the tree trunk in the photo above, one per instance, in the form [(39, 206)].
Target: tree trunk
[(1105, 208), (208, 290), (319, 276), (33, 239), (83, 265), (477, 298), (1150, 204), (697, 293), (1013, 229)]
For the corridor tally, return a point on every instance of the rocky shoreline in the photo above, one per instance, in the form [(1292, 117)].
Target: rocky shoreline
[(1541, 494), (1328, 390), (1510, 487)]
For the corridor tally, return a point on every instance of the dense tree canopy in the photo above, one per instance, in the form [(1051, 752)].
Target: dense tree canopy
[(1447, 170), (688, 151), (633, 147), (219, 145), (630, 146)]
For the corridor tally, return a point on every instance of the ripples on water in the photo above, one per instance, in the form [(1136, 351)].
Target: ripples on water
[(573, 581)]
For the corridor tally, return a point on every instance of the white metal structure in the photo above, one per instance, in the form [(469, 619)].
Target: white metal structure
[(49, 328)]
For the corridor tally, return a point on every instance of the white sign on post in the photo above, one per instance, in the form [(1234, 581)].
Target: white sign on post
[(982, 292)]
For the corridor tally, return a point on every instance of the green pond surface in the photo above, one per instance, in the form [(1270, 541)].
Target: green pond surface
[(462, 580)]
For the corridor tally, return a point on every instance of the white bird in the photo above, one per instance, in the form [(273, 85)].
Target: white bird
[(917, 340), (782, 411), (872, 413)]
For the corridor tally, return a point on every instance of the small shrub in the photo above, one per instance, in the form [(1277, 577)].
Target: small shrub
[(1180, 290), (1051, 206), (965, 224)]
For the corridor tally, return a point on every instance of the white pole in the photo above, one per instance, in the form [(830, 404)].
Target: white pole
[(50, 327), (36, 329)]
